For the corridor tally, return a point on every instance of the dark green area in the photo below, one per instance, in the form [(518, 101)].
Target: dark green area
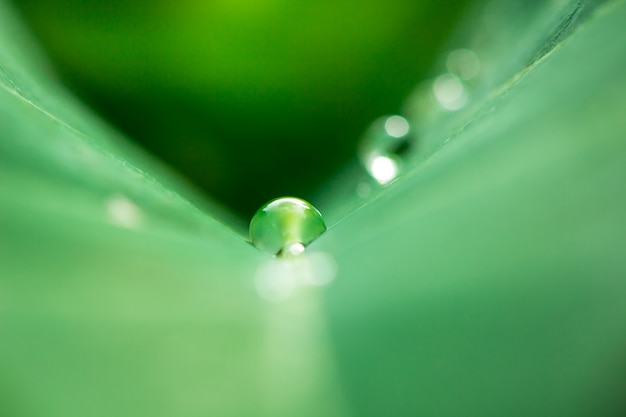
[(250, 100)]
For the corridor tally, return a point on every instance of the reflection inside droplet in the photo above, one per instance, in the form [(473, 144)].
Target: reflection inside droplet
[(383, 169), (449, 92), (279, 279), (294, 249), (464, 63), (123, 212)]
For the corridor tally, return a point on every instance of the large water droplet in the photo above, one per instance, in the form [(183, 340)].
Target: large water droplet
[(384, 144), (284, 226)]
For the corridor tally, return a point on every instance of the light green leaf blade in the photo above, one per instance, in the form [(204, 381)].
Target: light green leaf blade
[(118, 296), (490, 279)]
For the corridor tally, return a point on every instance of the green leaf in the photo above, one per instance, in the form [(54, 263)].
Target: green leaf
[(490, 279), (487, 280)]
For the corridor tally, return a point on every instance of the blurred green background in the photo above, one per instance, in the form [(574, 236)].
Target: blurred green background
[(487, 280), (250, 99)]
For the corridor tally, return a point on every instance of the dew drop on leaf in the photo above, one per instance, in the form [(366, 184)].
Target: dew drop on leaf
[(383, 146), (464, 63), (285, 226), (450, 92), (123, 212)]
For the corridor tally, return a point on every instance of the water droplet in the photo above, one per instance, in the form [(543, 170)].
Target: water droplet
[(123, 212), (383, 168), (464, 63), (383, 146), (285, 226), (449, 92), (396, 126)]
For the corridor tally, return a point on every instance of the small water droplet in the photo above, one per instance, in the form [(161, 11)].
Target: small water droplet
[(396, 126), (449, 92), (285, 226), (123, 212), (384, 144), (464, 63), (383, 168)]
